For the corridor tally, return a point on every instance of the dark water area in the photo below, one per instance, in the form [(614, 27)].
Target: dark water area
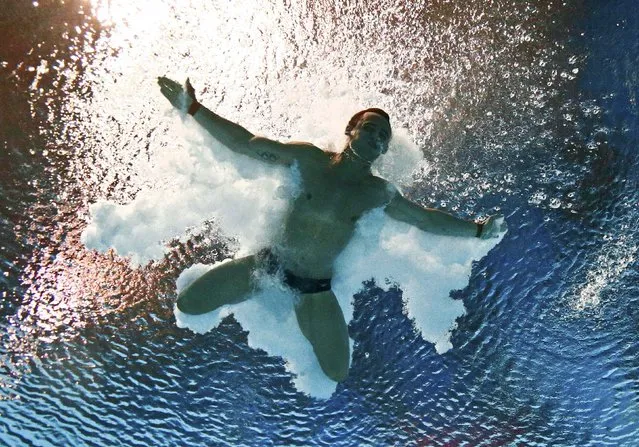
[(524, 108)]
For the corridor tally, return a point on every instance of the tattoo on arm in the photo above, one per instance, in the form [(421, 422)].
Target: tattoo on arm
[(268, 156)]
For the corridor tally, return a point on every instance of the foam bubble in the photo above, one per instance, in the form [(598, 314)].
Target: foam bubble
[(427, 268), (402, 161)]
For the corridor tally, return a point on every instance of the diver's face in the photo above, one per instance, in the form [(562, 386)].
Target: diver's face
[(370, 137)]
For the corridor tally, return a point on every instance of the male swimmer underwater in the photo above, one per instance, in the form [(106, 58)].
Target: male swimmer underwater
[(337, 188)]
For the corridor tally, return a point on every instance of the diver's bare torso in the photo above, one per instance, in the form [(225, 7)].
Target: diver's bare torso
[(322, 219)]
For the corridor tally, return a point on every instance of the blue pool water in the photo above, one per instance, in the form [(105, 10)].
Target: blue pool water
[(528, 109)]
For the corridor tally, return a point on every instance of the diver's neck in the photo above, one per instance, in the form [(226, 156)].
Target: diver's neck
[(352, 163)]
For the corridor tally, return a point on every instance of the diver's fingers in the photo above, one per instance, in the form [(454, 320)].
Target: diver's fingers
[(189, 88), (168, 93), (169, 88), (163, 81)]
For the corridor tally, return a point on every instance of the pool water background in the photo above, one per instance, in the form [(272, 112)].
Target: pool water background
[(547, 351)]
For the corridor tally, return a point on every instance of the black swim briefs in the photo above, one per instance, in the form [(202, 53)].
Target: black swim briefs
[(272, 266)]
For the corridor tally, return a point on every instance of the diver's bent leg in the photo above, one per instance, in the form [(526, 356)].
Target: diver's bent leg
[(229, 283), (322, 323)]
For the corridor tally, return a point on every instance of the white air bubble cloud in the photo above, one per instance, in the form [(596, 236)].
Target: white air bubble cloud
[(206, 181), (427, 268)]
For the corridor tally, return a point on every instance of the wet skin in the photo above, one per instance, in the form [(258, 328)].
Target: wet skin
[(336, 189), (335, 193)]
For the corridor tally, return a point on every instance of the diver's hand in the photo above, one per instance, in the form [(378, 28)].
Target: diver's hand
[(180, 97), (493, 227)]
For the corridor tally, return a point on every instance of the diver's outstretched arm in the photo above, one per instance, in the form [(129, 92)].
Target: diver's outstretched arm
[(230, 134), (439, 222)]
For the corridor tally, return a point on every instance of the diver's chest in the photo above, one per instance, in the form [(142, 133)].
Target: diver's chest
[(340, 198)]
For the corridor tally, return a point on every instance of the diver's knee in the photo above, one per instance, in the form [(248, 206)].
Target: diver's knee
[(336, 366), (339, 375), (181, 304), (188, 306)]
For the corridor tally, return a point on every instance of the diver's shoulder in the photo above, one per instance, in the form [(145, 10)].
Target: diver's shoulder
[(383, 187), (381, 183), (306, 150)]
